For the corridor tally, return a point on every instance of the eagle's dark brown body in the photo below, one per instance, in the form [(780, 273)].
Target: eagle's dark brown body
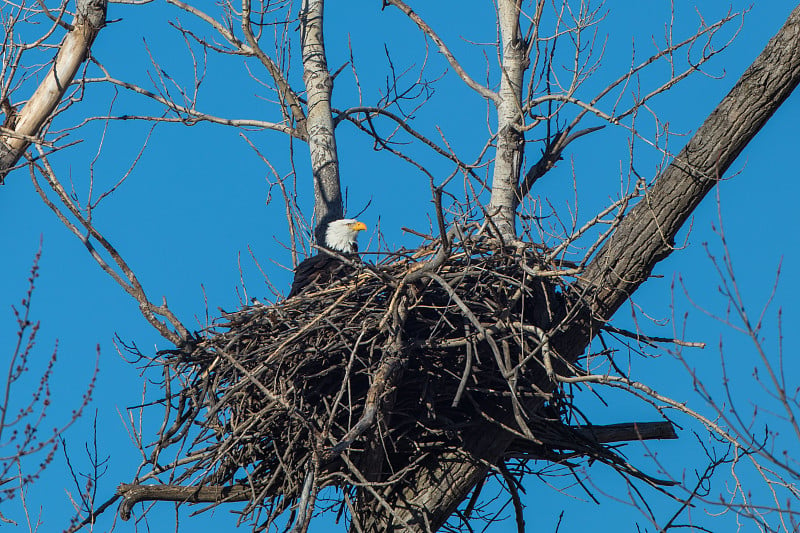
[(318, 271)]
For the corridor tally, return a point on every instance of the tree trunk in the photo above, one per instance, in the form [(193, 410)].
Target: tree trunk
[(646, 235), (510, 140), (90, 16), (642, 240), (319, 121)]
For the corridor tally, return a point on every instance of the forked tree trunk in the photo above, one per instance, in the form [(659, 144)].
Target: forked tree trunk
[(319, 121), (90, 16), (643, 239)]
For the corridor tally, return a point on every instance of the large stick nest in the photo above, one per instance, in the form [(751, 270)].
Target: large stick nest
[(361, 380)]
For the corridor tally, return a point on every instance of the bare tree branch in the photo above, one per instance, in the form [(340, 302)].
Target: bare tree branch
[(128, 280), (650, 228), (133, 494), (477, 87), (287, 95), (90, 17), (628, 258)]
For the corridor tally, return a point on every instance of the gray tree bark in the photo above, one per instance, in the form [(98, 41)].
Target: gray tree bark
[(643, 239), (319, 120), (646, 235), (18, 132), (510, 140)]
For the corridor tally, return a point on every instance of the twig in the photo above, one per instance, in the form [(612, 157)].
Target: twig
[(477, 87), (651, 339)]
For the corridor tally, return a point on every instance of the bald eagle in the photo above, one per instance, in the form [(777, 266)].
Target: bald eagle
[(340, 236)]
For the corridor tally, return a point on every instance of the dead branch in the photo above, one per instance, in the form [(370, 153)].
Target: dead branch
[(133, 494), (477, 87), (90, 17), (320, 374), (652, 224), (550, 156), (128, 279)]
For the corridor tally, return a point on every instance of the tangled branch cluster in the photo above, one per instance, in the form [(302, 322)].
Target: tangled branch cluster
[(359, 382)]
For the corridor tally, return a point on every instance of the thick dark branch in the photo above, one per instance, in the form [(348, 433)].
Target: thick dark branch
[(511, 483), (550, 156), (627, 431), (133, 494), (438, 260), (623, 432)]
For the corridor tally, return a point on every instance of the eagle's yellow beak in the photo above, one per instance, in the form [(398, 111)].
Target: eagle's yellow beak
[(358, 226)]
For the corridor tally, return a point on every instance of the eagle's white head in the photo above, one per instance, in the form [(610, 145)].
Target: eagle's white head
[(342, 235)]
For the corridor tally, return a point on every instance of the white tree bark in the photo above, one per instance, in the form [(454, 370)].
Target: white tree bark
[(319, 120), (90, 16), (510, 140)]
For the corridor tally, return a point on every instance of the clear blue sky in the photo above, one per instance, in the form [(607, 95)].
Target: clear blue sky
[(195, 204)]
